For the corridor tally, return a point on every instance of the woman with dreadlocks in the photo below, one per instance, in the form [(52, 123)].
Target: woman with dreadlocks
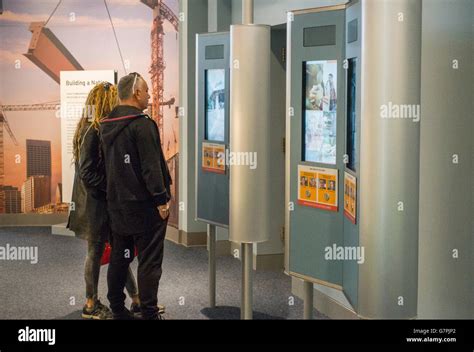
[(88, 214)]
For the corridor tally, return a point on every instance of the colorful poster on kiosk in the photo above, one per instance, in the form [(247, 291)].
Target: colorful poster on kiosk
[(350, 197), (317, 187), (213, 158), (320, 111)]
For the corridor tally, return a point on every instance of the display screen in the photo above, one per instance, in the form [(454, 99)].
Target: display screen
[(320, 111), (351, 114), (215, 105), (319, 36)]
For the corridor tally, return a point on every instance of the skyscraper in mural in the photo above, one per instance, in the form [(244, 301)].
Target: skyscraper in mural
[(38, 173), (12, 200), (38, 158), (36, 192)]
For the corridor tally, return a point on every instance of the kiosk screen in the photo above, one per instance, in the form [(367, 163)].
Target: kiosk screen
[(215, 105), (351, 114), (320, 111)]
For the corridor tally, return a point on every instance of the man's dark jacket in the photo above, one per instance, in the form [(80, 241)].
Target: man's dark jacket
[(138, 179)]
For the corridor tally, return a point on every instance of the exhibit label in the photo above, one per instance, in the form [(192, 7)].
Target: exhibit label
[(317, 187), (350, 197), (213, 158)]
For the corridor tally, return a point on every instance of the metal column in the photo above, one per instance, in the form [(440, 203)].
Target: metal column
[(246, 312), (308, 301), (211, 241)]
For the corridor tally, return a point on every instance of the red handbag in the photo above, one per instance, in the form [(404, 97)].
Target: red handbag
[(106, 256)]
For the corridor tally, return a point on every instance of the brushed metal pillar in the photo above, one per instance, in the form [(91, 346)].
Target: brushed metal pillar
[(247, 11), (250, 125), (390, 147), (211, 240), (250, 132), (246, 310), (289, 25), (308, 300)]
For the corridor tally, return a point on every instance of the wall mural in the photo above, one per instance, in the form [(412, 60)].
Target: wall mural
[(40, 39)]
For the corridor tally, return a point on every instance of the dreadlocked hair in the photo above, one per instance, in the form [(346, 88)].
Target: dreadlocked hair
[(102, 99)]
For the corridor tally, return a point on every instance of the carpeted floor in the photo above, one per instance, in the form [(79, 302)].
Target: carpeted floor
[(54, 287)]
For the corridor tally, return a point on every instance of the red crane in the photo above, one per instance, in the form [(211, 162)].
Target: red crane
[(161, 13)]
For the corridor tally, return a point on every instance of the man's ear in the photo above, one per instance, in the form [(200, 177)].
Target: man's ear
[(137, 93)]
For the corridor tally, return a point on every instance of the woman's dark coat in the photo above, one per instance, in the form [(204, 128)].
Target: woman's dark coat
[(88, 212)]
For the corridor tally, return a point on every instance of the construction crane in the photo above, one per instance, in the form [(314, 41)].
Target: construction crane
[(30, 107), (3, 122), (5, 125), (169, 142), (161, 13)]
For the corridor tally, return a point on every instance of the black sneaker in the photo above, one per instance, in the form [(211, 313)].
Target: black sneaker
[(98, 312), (135, 309), (124, 315), (158, 316)]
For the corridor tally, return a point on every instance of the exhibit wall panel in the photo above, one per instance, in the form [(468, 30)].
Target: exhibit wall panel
[(313, 231), (350, 268), (212, 127)]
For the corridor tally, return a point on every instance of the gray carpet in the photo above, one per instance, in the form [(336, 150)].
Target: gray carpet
[(54, 287)]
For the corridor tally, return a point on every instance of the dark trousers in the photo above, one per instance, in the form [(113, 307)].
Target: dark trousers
[(92, 271), (150, 246)]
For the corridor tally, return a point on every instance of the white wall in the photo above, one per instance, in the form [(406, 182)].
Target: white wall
[(196, 22), (219, 15), (273, 12), (446, 189)]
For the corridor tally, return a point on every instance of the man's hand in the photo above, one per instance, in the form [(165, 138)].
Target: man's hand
[(164, 211)]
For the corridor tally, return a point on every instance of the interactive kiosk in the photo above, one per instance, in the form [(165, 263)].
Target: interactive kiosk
[(212, 139), (352, 166)]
